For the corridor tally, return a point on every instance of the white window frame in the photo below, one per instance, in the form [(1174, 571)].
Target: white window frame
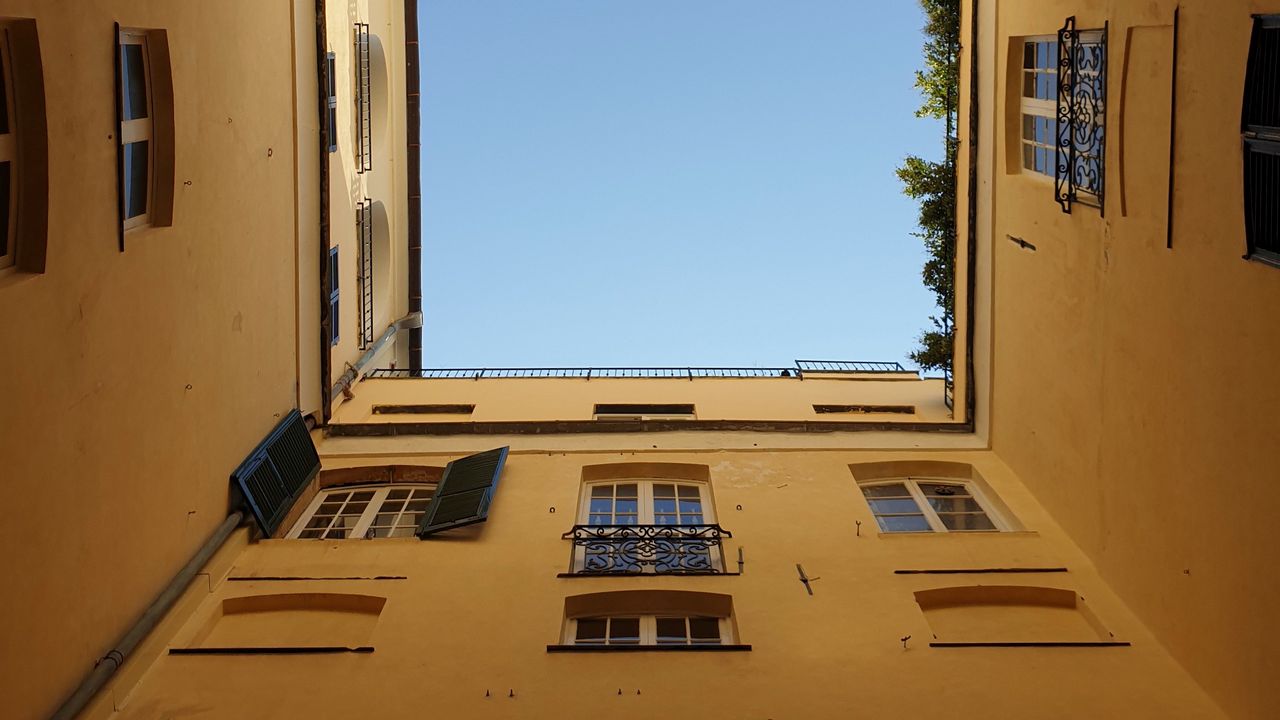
[(361, 528), (9, 153), (1037, 108), (645, 514), (648, 630), (139, 129), (912, 484)]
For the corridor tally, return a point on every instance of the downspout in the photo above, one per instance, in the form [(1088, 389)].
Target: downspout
[(109, 663), (409, 322)]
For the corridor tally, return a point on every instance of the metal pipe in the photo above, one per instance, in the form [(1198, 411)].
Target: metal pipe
[(109, 663), (408, 322)]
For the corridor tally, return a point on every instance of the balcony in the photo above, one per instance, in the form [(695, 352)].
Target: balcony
[(647, 549)]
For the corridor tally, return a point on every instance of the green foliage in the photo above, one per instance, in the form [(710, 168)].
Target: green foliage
[(933, 184)]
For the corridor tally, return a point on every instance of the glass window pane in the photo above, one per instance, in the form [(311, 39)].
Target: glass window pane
[(4, 99), (1028, 55), (690, 507), (704, 631), (943, 490), (665, 520), (602, 491), (894, 506), (1028, 84), (135, 179), (601, 505), (1046, 86), (628, 490), (1029, 157), (391, 506), (398, 494), (590, 630), (690, 519), (664, 505), (5, 169), (417, 505), (666, 491), (890, 490), (955, 504), (671, 631), (600, 520), (624, 631), (403, 532), (133, 82), (385, 519), (903, 523), (628, 506), (364, 495), (319, 522), (970, 521), (378, 532), (689, 491), (354, 508), (309, 534)]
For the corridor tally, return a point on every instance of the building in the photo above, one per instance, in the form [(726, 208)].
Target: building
[(1061, 531), (171, 208)]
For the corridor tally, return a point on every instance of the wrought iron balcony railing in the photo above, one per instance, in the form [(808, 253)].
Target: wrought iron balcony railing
[(802, 368), (1080, 171), (655, 549)]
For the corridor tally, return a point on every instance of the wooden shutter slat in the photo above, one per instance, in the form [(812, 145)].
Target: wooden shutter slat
[(276, 472), (465, 492)]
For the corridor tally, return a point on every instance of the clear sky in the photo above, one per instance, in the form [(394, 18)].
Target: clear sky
[(670, 182)]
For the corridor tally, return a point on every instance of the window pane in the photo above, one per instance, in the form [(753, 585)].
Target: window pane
[(601, 505), (689, 492), (362, 496), (664, 505), (398, 494), (624, 631), (133, 82), (1028, 84), (5, 169), (671, 631), (627, 491), (690, 519), (602, 491), (628, 506), (1028, 55), (894, 506), (1046, 86), (1029, 157), (704, 631), (955, 504), (4, 101), (931, 490), (971, 521), (590, 630), (890, 490), (403, 532), (135, 179), (665, 491), (903, 523)]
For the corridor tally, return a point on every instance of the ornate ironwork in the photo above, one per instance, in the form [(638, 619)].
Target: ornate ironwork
[(664, 549), (1080, 172)]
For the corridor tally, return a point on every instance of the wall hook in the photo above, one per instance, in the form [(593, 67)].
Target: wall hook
[(511, 693), (904, 641), (619, 691), (552, 510), (486, 693), (859, 524)]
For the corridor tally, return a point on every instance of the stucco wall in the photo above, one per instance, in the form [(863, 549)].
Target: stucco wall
[(135, 382), (1131, 388)]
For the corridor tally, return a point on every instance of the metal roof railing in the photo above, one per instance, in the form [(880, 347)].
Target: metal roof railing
[(798, 371)]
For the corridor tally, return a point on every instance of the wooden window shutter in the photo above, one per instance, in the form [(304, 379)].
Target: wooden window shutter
[(276, 472), (465, 492)]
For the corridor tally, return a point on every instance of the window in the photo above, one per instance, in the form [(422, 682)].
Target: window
[(648, 620), (647, 630), (1040, 104), (1064, 77), (364, 101), (1261, 126), (364, 281), (616, 411), (135, 127), (334, 317), (368, 512), (331, 79), (277, 471), (8, 159), (647, 526), (928, 505)]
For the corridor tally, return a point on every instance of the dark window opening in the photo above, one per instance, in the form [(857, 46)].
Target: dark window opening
[(332, 79), (333, 297), (864, 409), (1260, 123), (423, 409), (627, 411)]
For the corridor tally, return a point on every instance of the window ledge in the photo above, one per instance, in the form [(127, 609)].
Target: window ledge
[(963, 533), (645, 648), (1084, 643), (980, 571), (1262, 257), (648, 575), (282, 650)]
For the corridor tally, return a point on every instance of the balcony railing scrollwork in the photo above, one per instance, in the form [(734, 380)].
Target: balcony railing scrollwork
[(656, 549), (1080, 171)]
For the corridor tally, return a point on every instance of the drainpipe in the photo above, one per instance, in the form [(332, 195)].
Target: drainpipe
[(109, 663), (409, 322)]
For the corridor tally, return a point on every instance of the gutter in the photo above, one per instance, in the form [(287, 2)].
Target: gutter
[(107, 665), (413, 140), (410, 322)]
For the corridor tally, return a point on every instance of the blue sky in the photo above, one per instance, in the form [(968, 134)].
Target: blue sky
[(670, 182)]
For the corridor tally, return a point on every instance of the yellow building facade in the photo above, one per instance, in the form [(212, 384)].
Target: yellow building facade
[(1063, 532)]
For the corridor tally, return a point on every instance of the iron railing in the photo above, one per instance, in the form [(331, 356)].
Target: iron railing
[(364, 220), (656, 549), (949, 388), (801, 368), (364, 101), (1080, 170)]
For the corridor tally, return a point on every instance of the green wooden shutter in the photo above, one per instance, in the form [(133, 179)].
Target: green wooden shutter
[(275, 473), (465, 492)]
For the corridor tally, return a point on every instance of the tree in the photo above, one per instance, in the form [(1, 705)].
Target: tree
[(933, 184)]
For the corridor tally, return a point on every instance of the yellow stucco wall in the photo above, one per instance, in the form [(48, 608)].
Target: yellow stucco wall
[(475, 612), (1131, 386), (533, 399)]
